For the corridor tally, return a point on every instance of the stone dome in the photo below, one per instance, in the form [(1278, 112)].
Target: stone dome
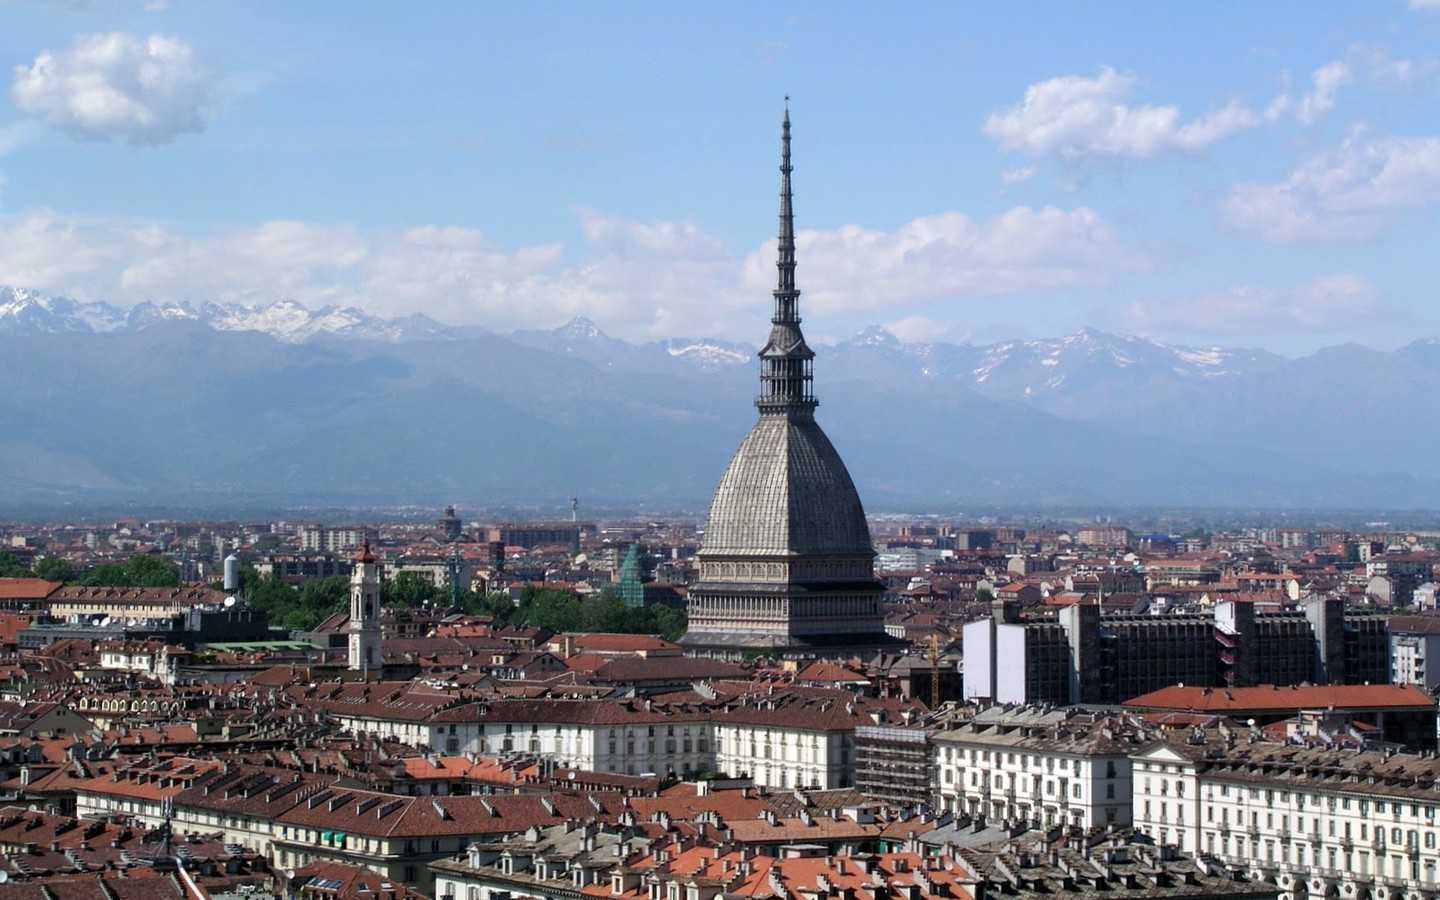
[(786, 493)]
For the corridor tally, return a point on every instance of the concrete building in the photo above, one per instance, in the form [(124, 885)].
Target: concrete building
[(535, 534), (1082, 655), (295, 569), (1414, 641), (319, 539)]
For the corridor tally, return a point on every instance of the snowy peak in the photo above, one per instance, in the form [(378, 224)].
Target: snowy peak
[(27, 312), (580, 328), (876, 336)]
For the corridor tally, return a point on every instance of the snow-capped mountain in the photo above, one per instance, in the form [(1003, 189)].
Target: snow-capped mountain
[(1053, 371), (27, 312), (31, 312), (581, 338), (1089, 417)]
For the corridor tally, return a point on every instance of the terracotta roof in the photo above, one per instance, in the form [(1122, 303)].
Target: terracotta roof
[(27, 588), (1280, 699), (346, 882)]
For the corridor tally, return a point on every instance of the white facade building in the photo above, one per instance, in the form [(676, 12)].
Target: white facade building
[(1318, 821), (1054, 775)]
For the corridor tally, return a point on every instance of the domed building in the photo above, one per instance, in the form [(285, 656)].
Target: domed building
[(786, 566)]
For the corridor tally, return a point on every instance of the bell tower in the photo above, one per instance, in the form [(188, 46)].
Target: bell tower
[(365, 611)]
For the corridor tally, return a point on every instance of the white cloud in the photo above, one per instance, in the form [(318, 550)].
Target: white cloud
[(949, 256), (1426, 5), (1344, 194), (638, 278), (1078, 119), (641, 279), (1017, 175), (1325, 83), (117, 87), (923, 329), (1327, 304), (1362, 64)]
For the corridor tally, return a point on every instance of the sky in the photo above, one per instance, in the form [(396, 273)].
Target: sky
[(1262, 175)]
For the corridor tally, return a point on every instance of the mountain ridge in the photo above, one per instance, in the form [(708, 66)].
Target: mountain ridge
[(157, 401)]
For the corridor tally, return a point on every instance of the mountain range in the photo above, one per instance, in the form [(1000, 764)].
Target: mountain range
[(177, 402)]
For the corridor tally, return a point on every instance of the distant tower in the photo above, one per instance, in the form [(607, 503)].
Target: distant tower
[(450, 524), (365, 611), (632, 578), (574, 509), (455, 570), (232, 574)]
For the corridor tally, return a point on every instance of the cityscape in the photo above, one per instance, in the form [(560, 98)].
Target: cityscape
[(369, 560)]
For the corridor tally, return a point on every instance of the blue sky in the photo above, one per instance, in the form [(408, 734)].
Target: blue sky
[(1242, 174)]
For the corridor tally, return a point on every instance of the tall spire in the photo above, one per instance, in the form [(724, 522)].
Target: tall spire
[(785, 362), (785, 293)]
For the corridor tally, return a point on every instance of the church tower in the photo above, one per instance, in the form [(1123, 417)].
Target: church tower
[(365, 611), (786, 566)]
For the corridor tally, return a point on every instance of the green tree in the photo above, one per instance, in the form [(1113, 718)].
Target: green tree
[(288, 607), (138, 571), (323, 597), (54, 568), (153, 571), (10, 567), (409, 590)]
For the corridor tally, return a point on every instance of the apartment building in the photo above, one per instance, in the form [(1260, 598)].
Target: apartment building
[(295, 819), (1414, 641), (129, 603), (781, 739), (1060, 767), (319, 539), (1314, 820)]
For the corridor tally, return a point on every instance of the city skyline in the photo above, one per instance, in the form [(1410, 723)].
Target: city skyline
[(514, 169)]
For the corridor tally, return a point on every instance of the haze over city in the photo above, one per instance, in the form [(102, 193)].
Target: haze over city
[(558, 452)]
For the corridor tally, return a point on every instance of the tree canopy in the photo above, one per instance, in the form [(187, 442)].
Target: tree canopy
[(607, 612), (11, 566), (141, 570)]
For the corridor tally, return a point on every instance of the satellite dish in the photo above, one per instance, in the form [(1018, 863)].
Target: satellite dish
[(229, 602)]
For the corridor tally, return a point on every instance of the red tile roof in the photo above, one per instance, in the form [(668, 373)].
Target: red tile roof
[(27, 588), (1267, 698)]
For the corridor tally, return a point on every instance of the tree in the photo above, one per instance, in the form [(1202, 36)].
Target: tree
[(607, 612), (296, 609), (10, 567), (153, 571), (54, 568), (409, 590), (138, 571)]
